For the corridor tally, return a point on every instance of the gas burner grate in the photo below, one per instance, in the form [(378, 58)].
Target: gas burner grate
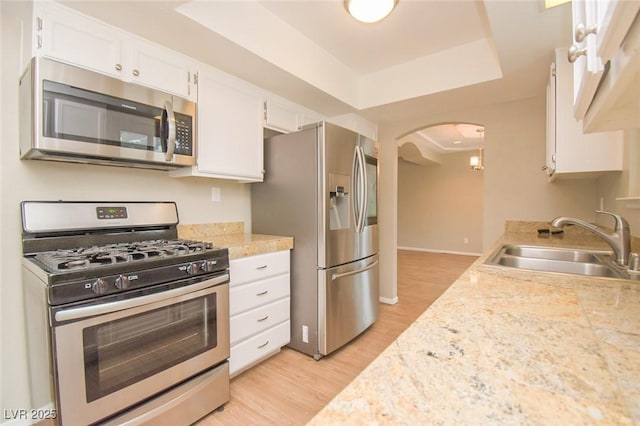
[(111, 254)]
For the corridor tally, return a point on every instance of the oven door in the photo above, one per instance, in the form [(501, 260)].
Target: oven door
[(110, 356)]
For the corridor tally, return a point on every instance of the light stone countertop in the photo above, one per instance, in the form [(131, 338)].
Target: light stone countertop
[(232, 236), (506, 346)]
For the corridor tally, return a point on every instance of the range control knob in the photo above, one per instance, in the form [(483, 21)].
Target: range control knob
[(122, 282), (193, 268), (209, 265), (99, 286)]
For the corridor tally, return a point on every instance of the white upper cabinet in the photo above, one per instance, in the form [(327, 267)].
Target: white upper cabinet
[(70, 37), (606, 55), (78, 40), (285, 116), (571, 152), (587, 66), (230, 130), (357, 124), (281, 117), (163, 69)]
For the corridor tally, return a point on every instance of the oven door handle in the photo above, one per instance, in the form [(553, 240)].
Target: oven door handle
[(107, 308)]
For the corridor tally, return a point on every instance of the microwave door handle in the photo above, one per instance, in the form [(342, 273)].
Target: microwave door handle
[(171, 121)]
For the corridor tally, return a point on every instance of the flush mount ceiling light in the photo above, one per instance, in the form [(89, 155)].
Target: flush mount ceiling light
[(369, 11)]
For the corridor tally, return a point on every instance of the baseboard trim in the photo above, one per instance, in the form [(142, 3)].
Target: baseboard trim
[(463, 253), (389, 301)]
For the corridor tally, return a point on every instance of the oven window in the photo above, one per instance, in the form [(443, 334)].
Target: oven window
[(122, 352)]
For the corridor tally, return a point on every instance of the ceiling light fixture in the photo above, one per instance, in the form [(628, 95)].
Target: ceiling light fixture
[(369, 11)]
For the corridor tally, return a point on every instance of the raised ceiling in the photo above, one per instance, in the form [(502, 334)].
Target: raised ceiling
[(427, 146), (400, 38), (426, 57)]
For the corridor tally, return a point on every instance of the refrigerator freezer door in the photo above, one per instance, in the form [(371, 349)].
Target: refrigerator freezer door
[(347, 302)]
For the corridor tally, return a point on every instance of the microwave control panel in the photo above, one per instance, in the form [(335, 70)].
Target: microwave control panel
[(184, 134)]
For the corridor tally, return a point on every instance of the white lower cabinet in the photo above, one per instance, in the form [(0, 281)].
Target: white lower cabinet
[(259, 305)]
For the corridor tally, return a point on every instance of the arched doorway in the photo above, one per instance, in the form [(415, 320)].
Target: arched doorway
[(440, 188)]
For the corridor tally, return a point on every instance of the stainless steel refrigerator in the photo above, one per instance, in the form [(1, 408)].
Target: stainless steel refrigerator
[(320, 187)]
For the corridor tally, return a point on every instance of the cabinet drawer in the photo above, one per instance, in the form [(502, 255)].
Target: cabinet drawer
[(255, 268), (259, 347), (249, 296), (257, 320)]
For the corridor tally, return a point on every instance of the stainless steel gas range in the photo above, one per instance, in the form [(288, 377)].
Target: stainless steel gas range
[(127, 324)]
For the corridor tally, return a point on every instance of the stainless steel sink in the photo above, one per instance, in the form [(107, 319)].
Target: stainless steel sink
[(552, 259)]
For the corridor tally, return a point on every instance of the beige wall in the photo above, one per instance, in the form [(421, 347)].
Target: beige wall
[(515, 187), (441, 206), (38, 180), (625, 184)]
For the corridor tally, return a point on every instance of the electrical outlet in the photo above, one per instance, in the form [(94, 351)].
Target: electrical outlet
[(305, 334), (215, 194), (466, 240)]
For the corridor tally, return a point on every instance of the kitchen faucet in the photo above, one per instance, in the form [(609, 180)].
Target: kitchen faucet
[(619, 239)]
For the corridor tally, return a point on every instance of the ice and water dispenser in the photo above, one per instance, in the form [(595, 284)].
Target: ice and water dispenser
[(339, 193)]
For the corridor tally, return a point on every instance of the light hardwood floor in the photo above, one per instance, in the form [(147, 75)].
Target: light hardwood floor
[(290, 388)]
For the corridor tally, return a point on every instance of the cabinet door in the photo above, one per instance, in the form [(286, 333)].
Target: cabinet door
[(80, 40), (258, 347), (259, 267), (155, 66), (614, 20), (230, 141), (587, 68), (280, 117), (252, 322), (550, 164), (576, 152)]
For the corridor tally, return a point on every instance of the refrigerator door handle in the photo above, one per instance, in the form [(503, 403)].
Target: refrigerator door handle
[(355, 185), (365, 193), (336, 276), (359, 183)]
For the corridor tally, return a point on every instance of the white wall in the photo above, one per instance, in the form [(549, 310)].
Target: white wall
[(39, 180)]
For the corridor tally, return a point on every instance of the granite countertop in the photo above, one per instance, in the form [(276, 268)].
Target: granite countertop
[(232, 236), (508, 346)]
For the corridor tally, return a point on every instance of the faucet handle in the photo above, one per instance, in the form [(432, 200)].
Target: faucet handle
[(621, 222)]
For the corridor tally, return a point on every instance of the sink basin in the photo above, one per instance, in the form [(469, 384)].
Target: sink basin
[(553, 253), (553, 259)]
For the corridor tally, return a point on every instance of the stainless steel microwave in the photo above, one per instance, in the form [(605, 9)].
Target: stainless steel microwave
[(76, 115)]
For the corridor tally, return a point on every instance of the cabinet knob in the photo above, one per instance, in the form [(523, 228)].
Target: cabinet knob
[(136, 73), (575, 52), (582, 32), (118, 67)]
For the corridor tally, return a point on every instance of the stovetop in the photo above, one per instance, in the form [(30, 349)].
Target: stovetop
[(80, 274), (86, 258), (83, 251)]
